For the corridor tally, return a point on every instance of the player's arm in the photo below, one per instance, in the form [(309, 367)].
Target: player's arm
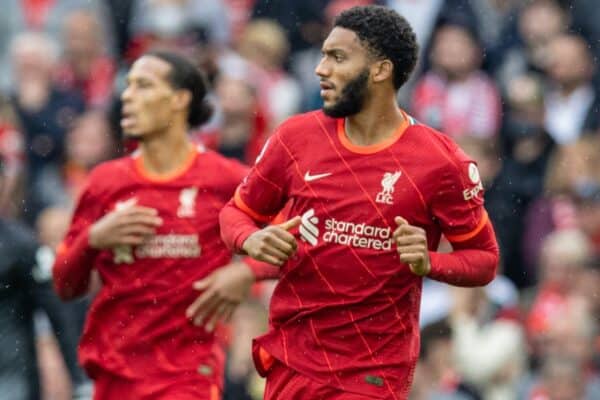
[(225, 288), (233, 173), (261, 196), (273, 244), (261, 270), (473, 262), (74, 257), (90, 232), (458, 207)]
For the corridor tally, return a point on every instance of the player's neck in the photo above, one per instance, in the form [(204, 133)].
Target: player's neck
[(166, 153), (376, 122)]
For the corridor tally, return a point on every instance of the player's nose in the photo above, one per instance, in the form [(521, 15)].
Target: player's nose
[(322, 69), (126, 95)]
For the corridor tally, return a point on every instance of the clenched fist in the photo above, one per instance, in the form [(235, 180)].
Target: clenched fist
[(411, 244)]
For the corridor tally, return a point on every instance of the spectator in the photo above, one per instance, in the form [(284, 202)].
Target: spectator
[(569, 340), (537, 23), (588, 282), (42, 16), (301, 20), (456, 97), (493, 17), (24, 288), (12, 151), (242, 127), (265, 46), (526, 150), (564, 254), (585, 16), (425, 16), (561, 380), (45, 111), (572, 174), (588, 214), (499, 360), (88, 142), (572, 101), (118, 13), (51, 226), (171, 19), (86, 67), (436, 377)]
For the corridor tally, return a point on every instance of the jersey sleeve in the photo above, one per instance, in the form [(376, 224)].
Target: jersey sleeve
[(263, 193), (457, 202), (74, 256)]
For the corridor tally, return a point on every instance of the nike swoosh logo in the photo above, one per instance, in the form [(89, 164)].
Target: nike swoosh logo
[(308, 177)]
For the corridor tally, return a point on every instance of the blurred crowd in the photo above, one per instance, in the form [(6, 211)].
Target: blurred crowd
[(515, 83)]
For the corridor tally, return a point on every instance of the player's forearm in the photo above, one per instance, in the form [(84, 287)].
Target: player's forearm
[(472, 263), (72, 268), (262, 271), (236, 226)]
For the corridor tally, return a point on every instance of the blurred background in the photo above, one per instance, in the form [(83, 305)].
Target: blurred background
[(515, 83)]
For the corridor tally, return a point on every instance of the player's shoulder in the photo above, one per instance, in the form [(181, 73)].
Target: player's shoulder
[(305, 123), (438, 141), (310, 118), (111, 171), (440, 146), (301, 131)]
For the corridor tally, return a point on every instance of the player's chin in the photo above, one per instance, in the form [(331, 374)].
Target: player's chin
[(130, 133), (330, 108), (329, 104), (328, 96)]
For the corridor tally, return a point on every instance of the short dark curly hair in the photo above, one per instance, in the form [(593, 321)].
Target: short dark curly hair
[(386, 34), (185, 75)]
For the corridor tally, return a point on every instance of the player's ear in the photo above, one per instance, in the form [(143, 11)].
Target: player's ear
[(182, 99), (382, 70)]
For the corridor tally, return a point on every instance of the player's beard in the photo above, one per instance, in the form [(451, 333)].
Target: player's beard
[(351, 99)]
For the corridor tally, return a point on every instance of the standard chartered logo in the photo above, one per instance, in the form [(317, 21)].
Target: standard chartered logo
[(170, 246), (308, 227), (353, 234)]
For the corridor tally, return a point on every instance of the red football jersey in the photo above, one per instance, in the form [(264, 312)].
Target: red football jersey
[(136, 327), (345, 311)]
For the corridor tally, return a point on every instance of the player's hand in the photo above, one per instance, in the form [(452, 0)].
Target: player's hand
[(273, 244), (222, 291), (129, 225), (411, 244)]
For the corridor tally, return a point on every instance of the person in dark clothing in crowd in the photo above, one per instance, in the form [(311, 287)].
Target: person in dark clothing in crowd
[(25, 288), (525, 149)]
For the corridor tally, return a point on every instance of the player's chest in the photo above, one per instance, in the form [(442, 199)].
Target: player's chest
[(358, 185), (183, 208)]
